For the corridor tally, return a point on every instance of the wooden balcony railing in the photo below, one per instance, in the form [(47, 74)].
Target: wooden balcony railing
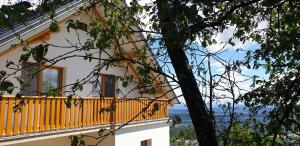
[(40, 114)]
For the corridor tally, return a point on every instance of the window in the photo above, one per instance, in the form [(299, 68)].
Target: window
[(49, 78), (146, 142), (30, 88), (104, 86)]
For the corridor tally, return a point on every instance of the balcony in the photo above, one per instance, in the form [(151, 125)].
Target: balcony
[(38, 115)]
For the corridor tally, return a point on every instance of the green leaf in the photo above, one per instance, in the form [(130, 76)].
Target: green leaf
[(81, 143), (24, 57), (53, 92), (54, 26), (74, 140), (39, 52), (9, 63), (176, 120), (68, 101), (7, 86), (100, 132)]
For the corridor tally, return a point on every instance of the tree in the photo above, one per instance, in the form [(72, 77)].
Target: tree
[(179, 27)]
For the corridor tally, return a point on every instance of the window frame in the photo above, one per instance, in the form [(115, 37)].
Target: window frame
[(102, 92), (103, 84), (40, 75), (146, 142), (60, 72)]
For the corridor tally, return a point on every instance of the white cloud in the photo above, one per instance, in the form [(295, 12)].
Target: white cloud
[(222, 37), (219, 67)]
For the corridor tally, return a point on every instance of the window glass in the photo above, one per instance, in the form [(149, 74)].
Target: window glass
[(50, 79), (146, 142), (96, 86), (30, 88), (109, 86), (104, 86)]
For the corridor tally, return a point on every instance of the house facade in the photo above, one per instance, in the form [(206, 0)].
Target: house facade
[(99, 115)]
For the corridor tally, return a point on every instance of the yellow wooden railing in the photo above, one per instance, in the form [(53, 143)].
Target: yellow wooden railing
[(40, 114)]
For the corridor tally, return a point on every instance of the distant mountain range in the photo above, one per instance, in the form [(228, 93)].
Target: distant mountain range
[(241, 111)]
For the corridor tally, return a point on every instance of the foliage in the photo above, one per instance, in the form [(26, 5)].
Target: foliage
[(175, 120), (179, 135), (283, 120)]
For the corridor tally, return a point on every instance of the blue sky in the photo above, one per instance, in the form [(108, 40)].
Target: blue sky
[(232, 54)]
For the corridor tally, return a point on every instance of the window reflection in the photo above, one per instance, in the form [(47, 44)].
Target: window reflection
[(50, 79), (109, 86), (104, 86), (30, 88), (42, 82)]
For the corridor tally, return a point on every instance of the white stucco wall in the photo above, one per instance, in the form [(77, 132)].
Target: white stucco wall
[(132, 136), (63, 141)]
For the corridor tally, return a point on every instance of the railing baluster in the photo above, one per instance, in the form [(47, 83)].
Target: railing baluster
[(52, 119), (74, 115), (166, 108), (159, 110), (121, 114), (42, 114), (24, 115), (130, 109), (57, 113), (120, 106), (95, 100), (80, 118), (91, 112), (2, 115), (98, 111), (95, 111), (136, 106), (125, 110), (84, 109), (116, 117), (107, 115), (112, 110), (68, 116), (146, 110), (9, 116), (101, 111), (103, 106), (88, 113), (36, 115), (140, 109), (95, 122), (48, 111), (133, 109), (30, 117), (16, 118), (62, 114)]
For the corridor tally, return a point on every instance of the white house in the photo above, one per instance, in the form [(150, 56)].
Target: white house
[(48, 121)]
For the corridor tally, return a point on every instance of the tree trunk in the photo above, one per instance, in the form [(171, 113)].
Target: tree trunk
[(174, 42), (201, 120)]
